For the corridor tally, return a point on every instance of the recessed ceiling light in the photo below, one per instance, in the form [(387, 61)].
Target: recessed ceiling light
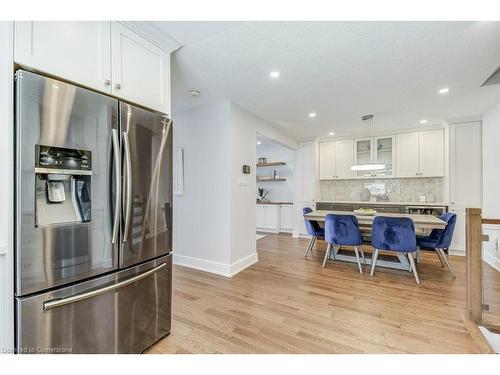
[(331, 133), (444, 90), (274, 74), (259, 142), (194, 93), (312, 114), (423, 121)]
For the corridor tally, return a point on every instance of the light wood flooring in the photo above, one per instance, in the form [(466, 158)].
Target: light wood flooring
[(288, 304)]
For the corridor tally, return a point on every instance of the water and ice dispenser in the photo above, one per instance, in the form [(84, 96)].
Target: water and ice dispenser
[(62, 186)]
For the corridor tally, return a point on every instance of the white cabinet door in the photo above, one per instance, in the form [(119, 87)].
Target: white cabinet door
[(458, 241), (363, 154), (75, 51), (286, 223), (344, 159), (141, 70), (272, 217), (260, 217), (307, 172), (407, 155), (384, 153), (465, 164), (431, 153), (327, 161)]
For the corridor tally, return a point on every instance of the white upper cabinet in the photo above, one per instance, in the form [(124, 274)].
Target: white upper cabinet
[(76, 51), (407, 155), (384, 152), (327, 161), (363, 155), (431, 153), (344, 159), (141, 70), (104, 56), (420, 154)]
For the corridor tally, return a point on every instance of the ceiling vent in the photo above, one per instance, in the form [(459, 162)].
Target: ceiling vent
[(494, 79)]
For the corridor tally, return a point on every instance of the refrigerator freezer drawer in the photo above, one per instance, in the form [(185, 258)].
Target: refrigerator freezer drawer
[(124, 312)]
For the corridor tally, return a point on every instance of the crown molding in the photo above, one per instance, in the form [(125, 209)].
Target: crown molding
[(154, 34)]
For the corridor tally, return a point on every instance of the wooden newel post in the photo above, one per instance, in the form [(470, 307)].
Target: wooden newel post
[(474, 273)]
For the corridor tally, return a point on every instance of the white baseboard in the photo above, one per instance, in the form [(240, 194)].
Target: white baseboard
[(222, 269), (457, 252), (268, 230), (492, 260), (295, 233)]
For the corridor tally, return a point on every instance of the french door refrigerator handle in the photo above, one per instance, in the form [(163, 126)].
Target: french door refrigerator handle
[(128, 207), (51, 304), (118, 187)]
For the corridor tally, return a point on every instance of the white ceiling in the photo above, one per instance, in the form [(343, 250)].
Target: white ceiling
[(340, 70)]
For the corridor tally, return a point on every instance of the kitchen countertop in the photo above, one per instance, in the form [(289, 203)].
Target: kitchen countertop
[(390, 203), (275, 203)]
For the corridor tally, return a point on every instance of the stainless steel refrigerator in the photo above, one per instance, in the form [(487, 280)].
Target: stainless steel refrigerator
[(93, 225)]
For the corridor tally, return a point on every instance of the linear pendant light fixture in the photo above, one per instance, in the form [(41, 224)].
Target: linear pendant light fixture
[(368, 166)]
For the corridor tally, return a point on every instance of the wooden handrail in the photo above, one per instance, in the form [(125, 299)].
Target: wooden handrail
[(490, 221), (474, 272)]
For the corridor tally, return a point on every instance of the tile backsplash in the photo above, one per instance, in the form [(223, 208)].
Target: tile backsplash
[(397, 189)]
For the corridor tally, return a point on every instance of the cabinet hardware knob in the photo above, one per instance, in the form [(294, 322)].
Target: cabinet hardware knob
[(107, 82), (118, 86)]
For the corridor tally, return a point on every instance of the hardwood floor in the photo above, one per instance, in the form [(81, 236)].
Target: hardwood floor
[(288, 304)]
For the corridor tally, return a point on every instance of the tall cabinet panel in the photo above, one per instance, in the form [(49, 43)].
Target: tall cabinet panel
[(76, 51), (141, 70), (327, 161), (465, 175)]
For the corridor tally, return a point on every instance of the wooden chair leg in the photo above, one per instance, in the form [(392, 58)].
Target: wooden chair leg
[(309, 246), (357, 258), (440, 257), (443, 255), (415, 273), (327, 254), (374, 261), (362, 254)]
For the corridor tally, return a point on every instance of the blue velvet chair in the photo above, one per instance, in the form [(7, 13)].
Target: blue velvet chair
[(343, 230), (313, 229), (440, 240), (394, 234)]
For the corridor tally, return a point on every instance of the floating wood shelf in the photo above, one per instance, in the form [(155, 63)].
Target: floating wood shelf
[(273, 164), (271, 179)]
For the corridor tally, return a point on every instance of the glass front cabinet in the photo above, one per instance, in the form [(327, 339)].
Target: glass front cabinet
[(379, 150)]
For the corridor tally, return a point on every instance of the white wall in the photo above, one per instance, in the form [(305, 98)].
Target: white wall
[(491, 182), (6, 188), (214, 221), (243, 141), (202, 215)]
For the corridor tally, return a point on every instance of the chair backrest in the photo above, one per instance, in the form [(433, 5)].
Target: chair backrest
[(312, 226), (342, 230), (394, 233), (444, 241)]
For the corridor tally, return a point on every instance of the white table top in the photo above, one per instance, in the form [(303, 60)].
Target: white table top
[(420, 221)]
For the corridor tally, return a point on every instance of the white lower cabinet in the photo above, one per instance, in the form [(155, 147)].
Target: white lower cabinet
[(274, 218), (458, 242), (287, 215)]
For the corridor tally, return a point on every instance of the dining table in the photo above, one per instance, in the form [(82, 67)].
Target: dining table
[(424, 224)]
